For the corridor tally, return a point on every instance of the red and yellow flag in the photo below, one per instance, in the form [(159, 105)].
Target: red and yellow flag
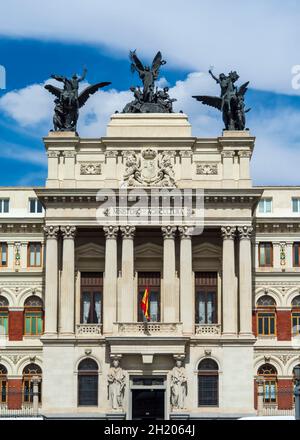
[(145, 304)]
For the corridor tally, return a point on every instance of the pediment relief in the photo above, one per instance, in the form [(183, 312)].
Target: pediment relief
[(207, 250), (148, 250), (90, 250)]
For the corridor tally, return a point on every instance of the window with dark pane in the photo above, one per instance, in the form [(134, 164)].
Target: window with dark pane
[(206, 298), (269, 374), (88, 383), (150, 280), (29, 372), (91, 298), (208, 383), (266, 316), (3, 384)]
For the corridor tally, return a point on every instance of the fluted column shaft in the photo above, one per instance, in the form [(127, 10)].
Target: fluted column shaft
[(126, 303), (170, 300), (187, 303), (229, 293), (245, 278), (51, 287), (68, 281), (110, 279)]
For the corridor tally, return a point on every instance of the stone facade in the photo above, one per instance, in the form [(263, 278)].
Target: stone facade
[(85, 253)]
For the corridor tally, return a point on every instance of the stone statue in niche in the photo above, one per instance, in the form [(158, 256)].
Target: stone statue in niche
[(178, 386), (116, 385)]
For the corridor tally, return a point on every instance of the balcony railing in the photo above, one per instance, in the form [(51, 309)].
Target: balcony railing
[(208, 330), (26, 410), (149, 328), (89, 329)]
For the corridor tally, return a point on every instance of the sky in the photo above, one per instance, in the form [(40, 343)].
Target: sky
[(259, 39)]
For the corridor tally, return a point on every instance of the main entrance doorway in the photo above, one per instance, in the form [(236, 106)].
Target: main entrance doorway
[(148, 398)]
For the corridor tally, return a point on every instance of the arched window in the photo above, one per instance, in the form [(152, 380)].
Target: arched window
[(29, 373), (208, 383), (269, 374), (3, 384), (33, 316), (266, 316), (3, 315), (88, 383), (296, 316)]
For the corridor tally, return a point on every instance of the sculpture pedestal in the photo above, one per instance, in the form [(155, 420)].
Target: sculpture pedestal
[(180, 415), (116, 415), (149, 125)]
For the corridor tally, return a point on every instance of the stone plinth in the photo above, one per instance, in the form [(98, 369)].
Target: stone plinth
[(149, 125)]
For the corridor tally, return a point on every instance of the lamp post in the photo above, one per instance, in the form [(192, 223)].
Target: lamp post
[(297, 392)]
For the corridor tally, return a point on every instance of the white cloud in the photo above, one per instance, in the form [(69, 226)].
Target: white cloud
[(277, 153), (23, 153), (258, 38)]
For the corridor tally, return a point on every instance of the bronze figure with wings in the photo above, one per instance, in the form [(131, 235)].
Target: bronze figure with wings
[(150, 100), (68, 101), (231, 102)]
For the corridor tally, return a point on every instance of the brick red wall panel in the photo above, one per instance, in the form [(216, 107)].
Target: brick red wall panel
[(254, 323), (14, 400), (284, 332), (285, 394), (255, 394), (15, 326)]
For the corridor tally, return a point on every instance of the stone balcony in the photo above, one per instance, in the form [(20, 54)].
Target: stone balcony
[(148, 329), (85, 330), (208, 330)]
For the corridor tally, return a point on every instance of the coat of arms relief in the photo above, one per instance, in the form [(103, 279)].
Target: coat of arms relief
[(149, 168)]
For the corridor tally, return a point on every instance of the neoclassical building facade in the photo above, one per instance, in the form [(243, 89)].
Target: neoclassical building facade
[(149, 206)]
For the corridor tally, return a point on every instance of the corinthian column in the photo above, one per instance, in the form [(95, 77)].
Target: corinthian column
[(110, 279), (187, 303), (229, 293), (126, 303), (245, 276), (170, 302), (51, 287), (68, 281)]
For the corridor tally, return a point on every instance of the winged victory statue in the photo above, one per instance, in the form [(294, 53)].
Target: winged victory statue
[(150, 99), (231, 102), (68, 100)]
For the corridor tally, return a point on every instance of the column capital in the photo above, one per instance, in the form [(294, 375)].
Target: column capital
[(185, 232), (128, 231), (68, 232), (111, 232), (168, 231), (245, 232), (51, 232), (228, 232)]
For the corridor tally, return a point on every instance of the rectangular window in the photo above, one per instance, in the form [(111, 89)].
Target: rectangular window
[(265, 254), (150, 280), (208, 390), (296, 204), (91, 298), (3, 323), (270, 391), (34, 254), (33, 323), (296, 254), (88, 390), (296, 323), (265, 206), (266, 323), (35, 206), (4, 205), (3, 254), (206, 298)]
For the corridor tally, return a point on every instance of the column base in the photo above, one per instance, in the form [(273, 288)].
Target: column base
[(246, 335)]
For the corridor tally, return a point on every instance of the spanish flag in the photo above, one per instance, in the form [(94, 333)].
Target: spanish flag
[(145, 304)]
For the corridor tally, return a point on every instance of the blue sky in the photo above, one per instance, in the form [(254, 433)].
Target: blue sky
[(56, 38)]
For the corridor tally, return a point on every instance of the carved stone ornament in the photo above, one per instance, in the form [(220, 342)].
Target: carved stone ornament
[(178, 388), (90, 168), (128, 231), (207, 169), (185, 231), (111, 232), (69, 154), (51, 231), (245, 232), (116, 381), (228, 232), (168, 232), (68, 231), (53, 154), (149, 168)]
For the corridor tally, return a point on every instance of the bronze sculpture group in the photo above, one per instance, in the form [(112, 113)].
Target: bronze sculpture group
[(149, 98)]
